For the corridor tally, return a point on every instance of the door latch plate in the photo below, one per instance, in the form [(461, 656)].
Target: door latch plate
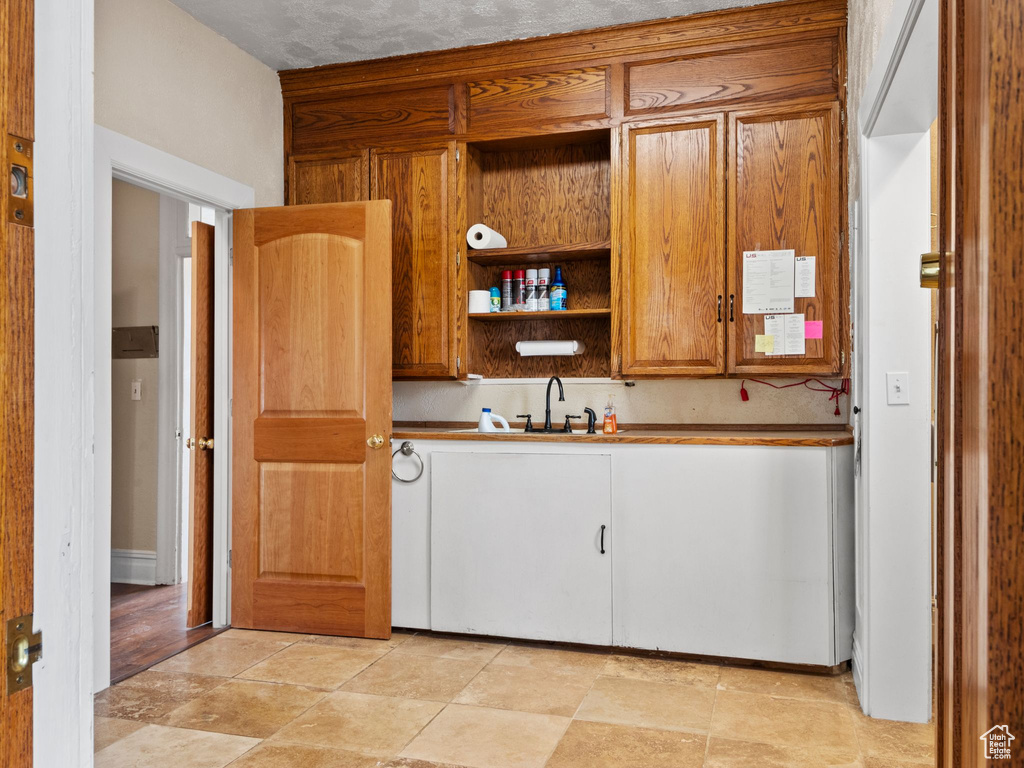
[(23, 649), (20, 202)]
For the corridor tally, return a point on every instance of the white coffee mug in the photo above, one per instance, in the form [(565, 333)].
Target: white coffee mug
[(479, 302)]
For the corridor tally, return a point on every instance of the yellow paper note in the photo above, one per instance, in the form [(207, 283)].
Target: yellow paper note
[(764, 344)]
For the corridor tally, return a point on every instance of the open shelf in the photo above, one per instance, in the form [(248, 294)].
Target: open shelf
[(562, 314), (540, 254)]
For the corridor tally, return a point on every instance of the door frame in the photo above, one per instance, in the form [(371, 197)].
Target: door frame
[(120, 157), (894, 104)]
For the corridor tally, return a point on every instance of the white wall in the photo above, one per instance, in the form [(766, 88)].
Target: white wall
[(897, 438), (170, 82), (63, 429), (136, 302)]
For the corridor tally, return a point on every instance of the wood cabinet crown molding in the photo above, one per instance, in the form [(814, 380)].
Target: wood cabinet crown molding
[(725, 26)]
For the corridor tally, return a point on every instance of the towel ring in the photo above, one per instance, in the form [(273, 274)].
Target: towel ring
[(407, 449)]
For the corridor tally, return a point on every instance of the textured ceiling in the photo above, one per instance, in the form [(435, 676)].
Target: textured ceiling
[(289, 34)]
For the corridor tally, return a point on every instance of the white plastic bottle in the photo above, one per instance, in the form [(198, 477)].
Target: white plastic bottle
[(487, 420)]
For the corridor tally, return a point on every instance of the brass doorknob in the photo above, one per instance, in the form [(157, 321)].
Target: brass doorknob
[(375, 441), (205, 443)]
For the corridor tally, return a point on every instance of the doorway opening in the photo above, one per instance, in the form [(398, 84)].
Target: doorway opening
[(160, 533)]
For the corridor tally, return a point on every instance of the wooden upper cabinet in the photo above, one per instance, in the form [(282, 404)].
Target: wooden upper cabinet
[(398, 115), (539, 98), (784, 193), (672, 268), (420, 183), (341, 178)]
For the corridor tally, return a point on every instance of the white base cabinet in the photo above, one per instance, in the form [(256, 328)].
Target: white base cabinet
[(516, 545), (730, 551)]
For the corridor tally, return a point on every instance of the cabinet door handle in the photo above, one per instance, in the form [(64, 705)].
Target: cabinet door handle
[(719, 307), (602, 539), (732, 298)]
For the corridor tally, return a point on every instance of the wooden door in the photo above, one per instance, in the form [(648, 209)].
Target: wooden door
[(343, 177), (785, 178), (311, 467), (981, 385), (200, 440), (17, 383), (672, 268), (420, 183)]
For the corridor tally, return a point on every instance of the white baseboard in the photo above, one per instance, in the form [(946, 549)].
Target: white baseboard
[(132, 566)]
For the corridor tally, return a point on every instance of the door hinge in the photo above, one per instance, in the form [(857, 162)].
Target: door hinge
[(24, 648), (229, 558), (458, 363), (457, 155), (458, 256), (842, 357)]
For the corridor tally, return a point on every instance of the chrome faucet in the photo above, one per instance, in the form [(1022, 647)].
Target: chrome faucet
[(547, 401)]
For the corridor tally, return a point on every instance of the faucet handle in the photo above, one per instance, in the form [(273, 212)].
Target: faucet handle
[(568, 426), (529, 421)]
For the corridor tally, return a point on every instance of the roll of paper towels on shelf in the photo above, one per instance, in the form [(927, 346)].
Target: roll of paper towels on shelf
[(482, 236), (550, 348), (479, 302)]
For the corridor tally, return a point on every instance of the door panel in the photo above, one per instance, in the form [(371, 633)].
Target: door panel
[(311, 529), (200, 530), (673, 264), (341, 178), (420, 184), (521, 565), (17, 372), (784, 193)]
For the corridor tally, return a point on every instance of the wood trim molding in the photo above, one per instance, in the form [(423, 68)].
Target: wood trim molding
[(727, 26)]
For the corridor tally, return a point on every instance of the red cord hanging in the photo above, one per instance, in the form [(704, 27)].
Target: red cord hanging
[(834, 392)]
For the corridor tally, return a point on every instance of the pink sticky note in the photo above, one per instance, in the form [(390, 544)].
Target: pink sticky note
[(813, 329)]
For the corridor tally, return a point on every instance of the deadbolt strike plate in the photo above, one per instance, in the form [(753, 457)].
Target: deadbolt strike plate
[(20, 200), (23, 650)]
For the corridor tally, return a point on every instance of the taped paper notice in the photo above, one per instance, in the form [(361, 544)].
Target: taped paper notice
[(804, 266), (814, 329), (767, 282), (789, 331), (764, 344)]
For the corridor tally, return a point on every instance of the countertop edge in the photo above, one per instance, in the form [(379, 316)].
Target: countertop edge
[(642, 437)]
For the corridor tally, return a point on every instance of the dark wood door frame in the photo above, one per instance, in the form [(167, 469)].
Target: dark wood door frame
[(980, 659), (17, 355)]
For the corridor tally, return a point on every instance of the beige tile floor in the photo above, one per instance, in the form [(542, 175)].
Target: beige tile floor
[(274, 700)]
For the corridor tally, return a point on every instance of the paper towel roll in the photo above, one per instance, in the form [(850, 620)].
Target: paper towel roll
[(550, 348), (482, 236)]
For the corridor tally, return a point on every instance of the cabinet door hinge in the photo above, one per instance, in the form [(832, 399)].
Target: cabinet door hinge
[(842, 357), (457, 155), (458, 256), (23, 648), (458, 363)]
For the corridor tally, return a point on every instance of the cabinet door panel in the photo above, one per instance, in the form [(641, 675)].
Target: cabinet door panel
[(523, 564), (708, 565), (419, 182), (784, 193), (673, 262), (341, 178)]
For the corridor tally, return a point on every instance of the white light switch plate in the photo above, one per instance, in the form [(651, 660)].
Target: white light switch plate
[(897, 388), (136, 389)]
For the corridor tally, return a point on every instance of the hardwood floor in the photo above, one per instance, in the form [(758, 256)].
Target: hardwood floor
[(147, 625)]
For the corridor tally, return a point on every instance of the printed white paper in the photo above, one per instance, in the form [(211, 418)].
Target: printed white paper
[(788, 331), (767, 282), (804, 276)]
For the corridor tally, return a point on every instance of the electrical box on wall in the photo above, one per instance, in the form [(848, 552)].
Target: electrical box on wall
[(134, 342)]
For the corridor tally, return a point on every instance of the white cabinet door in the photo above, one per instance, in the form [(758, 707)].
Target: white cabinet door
[(410, 541), (724, 551), (516, 545)]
